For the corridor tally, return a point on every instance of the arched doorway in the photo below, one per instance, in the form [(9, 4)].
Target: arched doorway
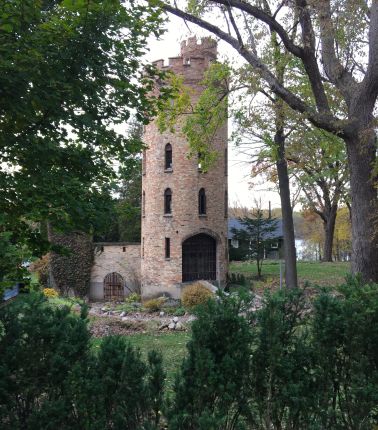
[(113, 287), (199, 256)]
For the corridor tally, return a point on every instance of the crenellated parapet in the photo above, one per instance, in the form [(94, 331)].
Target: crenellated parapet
[(194, 58)]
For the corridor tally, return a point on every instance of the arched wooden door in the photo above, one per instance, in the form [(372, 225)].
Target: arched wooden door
[(199, 256), (113, 287)]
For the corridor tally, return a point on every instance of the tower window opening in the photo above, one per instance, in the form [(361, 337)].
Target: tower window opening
[(167, 247), (168, 201), (144, 203), (168, 156), (124, 249), (202, 202)]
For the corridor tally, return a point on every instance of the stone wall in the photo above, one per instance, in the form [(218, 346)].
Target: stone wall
[(123, 258), (160, 274)]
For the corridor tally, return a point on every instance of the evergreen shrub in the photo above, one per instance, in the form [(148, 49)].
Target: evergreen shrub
[(296, 363), (211, 389), (154, 305), (51, 378)]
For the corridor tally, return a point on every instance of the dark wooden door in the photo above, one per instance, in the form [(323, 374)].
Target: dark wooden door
[(199, 258), (113, 287)]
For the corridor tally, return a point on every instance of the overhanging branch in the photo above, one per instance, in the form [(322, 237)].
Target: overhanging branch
[(324, 120)]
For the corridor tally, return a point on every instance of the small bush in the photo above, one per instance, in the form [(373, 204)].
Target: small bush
[(41, 268), (176, 311), (195, 294), (50, 292), (154, 305), (132, 298)]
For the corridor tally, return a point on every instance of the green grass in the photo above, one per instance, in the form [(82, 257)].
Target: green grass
[(313, 272), (171, 345)]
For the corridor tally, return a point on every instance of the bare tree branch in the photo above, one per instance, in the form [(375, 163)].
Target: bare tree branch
[(370, 82), (322, 119), (335, 71), (267, 19)]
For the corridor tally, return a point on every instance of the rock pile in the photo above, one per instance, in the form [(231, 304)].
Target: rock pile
[(174, 324)]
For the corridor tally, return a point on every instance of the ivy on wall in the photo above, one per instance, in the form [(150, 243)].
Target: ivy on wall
[(70, 268)]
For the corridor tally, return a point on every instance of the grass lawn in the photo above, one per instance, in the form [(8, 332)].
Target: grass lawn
[(313, 272), (171, 345)]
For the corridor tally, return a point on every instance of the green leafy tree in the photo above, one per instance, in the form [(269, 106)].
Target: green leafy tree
[(71, 74)]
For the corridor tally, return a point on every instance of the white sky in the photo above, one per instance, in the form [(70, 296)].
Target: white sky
[(238, 181)]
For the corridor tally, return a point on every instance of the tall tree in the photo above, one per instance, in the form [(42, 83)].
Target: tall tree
[(70, 76), (345, 60), (320, 168)]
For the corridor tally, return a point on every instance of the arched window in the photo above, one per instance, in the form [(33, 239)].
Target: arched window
[(168, 157), (168, 201), (202, 202)]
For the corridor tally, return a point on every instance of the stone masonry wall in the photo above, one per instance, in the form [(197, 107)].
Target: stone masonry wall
[(123, 258), (161, 275)]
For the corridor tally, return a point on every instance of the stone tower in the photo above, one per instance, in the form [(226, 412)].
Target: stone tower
[(184, 211)]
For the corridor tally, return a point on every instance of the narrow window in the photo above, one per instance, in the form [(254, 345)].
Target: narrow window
[(225, 162), (124, 249), (144, 162), (167, 247), (225, 204), (168, 201), (168, 156), (202, 202), (143, 247), (143, 203)]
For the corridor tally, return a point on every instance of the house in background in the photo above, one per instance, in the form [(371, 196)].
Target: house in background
[(238, 250)]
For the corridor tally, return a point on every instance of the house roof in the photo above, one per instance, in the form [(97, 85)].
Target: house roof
[(235, 223)]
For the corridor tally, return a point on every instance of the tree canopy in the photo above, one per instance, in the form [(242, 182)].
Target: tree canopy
[(71, 76)]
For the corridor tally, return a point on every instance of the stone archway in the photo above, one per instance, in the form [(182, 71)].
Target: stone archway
[(114, 287), (199, 258)]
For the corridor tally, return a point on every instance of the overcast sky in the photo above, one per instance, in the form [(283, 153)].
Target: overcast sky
[(239, 168)]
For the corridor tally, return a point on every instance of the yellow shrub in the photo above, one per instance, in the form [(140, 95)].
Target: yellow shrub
[(154, 305), (50, 292), (195, 294)]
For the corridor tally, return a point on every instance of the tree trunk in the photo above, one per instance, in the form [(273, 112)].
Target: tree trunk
[(361, 150), (329, 231), (287, 213)]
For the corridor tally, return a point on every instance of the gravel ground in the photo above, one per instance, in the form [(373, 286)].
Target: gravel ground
[(105, 321)]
